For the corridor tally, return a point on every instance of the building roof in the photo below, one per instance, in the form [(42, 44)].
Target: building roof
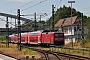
[(59, 23), (66, 21)]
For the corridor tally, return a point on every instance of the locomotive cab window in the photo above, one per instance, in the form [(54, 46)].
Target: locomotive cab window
[(59, 35), (56, 35)]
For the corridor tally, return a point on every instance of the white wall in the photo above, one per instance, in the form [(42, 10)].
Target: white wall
[(75, 34)]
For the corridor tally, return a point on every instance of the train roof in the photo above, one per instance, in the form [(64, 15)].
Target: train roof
[(37, 31), (23, 33)]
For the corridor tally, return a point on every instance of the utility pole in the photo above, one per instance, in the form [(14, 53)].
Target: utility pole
[(16, 27), (53, 17), (19, 29), (35, 21), (40, 18), (82, 22), (7, 36), (49, 23), (71, 21), (82, 29), (15, 23)]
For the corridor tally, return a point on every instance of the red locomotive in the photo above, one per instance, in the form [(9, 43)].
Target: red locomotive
[(52, 38), (41, 38)]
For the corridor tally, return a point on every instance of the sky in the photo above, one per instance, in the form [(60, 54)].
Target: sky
[(40, 7)]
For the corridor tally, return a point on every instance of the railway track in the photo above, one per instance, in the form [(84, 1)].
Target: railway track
[(47, 54), (51, 55)]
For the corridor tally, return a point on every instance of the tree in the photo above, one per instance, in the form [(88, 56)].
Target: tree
[(3, 38), (88, 26), (43, 22)]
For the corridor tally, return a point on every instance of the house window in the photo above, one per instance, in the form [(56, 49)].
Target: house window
[(80, 29), (65, 31), (75, 29), (69, 30)]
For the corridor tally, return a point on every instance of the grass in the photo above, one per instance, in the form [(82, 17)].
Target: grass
[(77, 48), (2, 40), (72, 51), (29, 51), (10, 46), (25, 50), (15, 52), (79, 45)]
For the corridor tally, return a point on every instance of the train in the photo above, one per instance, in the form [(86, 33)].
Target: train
[(39, 38)]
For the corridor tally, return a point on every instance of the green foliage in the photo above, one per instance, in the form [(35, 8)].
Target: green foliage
[(3, 38), (27, 25), (43, 22), (88, 27), (29, 51), (23, 25), (31, 25), (86, 40)]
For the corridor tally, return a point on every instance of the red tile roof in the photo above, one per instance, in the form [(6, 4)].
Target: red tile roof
[(59, 23), (66, 21)]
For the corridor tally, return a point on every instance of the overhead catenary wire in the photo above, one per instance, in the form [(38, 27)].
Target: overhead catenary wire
[(50, 12), (22, 6), (6, 21), (34, 5), (30, 6), (58, 4)]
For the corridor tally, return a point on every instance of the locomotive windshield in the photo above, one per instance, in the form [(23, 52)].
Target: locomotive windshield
[(59, 38), (59, 35)]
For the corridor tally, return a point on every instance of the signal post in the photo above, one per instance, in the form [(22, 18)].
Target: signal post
[(19, 30)]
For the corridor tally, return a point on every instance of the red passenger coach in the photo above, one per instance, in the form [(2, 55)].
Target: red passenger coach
[(35, 37), (24, 37), (53, 38), (27, 37), (11, 38), (14, 38)]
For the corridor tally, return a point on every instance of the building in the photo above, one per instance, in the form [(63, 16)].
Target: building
[(71, 31)]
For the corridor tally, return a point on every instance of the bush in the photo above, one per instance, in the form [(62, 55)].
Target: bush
[(86, 40), (3, 38)]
